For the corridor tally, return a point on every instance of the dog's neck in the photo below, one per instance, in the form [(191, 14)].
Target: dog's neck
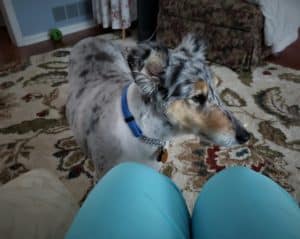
[(152, 124)]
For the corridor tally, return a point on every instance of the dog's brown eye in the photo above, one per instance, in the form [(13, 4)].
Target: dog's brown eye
[(200, 99)]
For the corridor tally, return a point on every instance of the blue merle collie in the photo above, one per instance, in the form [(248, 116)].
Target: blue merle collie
[(126, 108)]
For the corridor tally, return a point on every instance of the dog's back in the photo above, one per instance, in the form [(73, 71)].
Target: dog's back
[(94, 61), (97, 72)]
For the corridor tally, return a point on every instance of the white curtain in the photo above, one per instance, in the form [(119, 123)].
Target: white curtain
[(117, 14)]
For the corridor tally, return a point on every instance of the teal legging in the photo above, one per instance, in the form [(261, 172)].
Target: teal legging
[(133, 201)]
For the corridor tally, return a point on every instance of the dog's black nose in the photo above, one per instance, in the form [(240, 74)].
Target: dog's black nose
[(242, 136)]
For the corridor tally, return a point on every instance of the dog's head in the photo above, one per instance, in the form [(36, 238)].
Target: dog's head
[(181, 87)]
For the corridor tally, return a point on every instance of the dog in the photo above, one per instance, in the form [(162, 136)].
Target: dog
[(127, 108)]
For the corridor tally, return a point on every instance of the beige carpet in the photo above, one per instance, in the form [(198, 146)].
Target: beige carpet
[(35, 134)]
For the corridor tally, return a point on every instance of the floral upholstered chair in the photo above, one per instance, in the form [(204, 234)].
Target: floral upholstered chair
[(232, 29)]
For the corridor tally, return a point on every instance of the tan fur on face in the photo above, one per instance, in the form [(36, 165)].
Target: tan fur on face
[(201, 87), (208, 121)]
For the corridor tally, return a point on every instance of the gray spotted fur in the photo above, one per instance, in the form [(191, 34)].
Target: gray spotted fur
[(98, 71)]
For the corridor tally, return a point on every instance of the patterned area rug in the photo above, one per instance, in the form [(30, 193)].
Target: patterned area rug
[(34, 132)]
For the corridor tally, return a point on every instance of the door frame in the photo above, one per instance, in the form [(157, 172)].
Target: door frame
[(11, 22)]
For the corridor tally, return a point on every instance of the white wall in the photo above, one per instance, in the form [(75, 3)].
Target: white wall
[(14, 25)]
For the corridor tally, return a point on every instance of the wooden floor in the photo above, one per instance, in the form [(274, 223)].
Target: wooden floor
[(10, 54)]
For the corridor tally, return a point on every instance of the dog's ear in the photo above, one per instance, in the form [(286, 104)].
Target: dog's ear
[(192, 47), (150, 57), (137, 56), (146, 84)]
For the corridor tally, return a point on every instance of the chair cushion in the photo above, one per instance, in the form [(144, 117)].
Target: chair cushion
[(35, 205)]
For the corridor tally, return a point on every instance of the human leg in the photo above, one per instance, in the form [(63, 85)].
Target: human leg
[(132, 201), (240, 203)]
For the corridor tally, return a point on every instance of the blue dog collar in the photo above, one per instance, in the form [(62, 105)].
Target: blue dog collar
[(137, 132), (128, 117)]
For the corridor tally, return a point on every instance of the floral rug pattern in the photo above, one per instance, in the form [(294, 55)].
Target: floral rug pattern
[(34, 132)]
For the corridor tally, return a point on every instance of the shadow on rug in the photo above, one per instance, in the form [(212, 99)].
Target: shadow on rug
[(34, 132)]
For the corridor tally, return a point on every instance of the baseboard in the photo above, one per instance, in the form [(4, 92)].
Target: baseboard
[(43, 36)]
